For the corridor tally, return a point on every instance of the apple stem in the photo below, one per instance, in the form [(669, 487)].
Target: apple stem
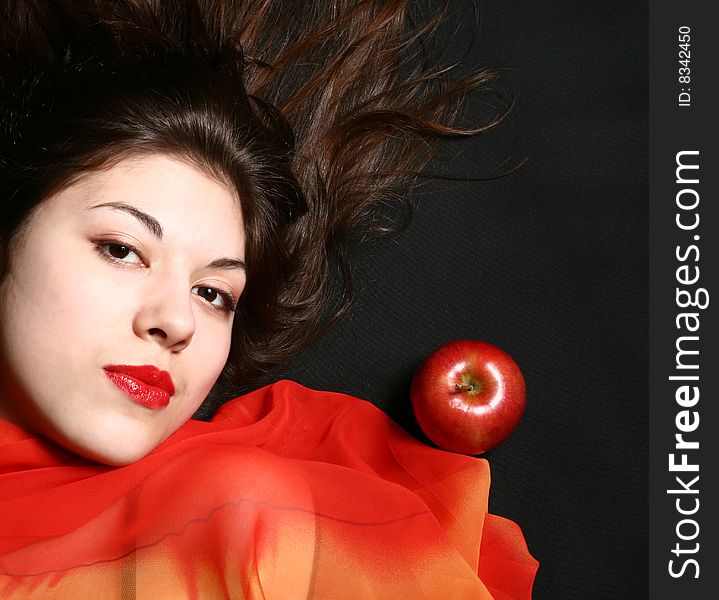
[(463, 388)]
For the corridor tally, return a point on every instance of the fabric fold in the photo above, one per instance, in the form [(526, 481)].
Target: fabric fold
[(287, 493)]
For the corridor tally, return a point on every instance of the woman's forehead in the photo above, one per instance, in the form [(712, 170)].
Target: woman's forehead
[(173, 201), (173, 187)]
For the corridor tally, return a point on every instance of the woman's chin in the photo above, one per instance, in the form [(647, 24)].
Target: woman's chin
[(113, 455), (112, 448), (119, 459)]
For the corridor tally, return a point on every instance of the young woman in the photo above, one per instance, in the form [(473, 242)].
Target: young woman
[(176, 179)]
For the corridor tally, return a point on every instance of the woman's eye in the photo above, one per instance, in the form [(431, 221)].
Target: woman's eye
[(218, 299), (121, 253), (118, 251)]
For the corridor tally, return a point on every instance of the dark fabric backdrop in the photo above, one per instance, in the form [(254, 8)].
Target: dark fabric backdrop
[(550, 264)]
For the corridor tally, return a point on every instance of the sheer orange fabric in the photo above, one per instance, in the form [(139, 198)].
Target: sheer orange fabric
[(287, 493)]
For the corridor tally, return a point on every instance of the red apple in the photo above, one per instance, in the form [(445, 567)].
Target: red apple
[(468, 396)]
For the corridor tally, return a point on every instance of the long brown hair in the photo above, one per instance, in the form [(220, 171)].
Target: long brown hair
[(319, 113)]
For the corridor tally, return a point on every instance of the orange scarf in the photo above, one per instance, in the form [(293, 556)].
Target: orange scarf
[(287, 493)]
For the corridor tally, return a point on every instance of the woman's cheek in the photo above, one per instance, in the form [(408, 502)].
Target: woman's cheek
[(212, 346)]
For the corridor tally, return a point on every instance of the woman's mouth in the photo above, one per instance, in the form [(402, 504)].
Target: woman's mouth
[(146, 384)]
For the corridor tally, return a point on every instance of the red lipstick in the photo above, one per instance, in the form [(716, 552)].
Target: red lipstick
[(146, 384)]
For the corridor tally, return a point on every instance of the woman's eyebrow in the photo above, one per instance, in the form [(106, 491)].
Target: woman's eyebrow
[(228, 263), (156, 229), (147, 220)]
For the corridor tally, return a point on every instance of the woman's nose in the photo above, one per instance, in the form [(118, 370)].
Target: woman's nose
[(165, 316)]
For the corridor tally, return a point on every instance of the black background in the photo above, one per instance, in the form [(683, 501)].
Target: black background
[(550, 264)]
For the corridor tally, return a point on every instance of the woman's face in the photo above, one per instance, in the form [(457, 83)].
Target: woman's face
[(116, 313)]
